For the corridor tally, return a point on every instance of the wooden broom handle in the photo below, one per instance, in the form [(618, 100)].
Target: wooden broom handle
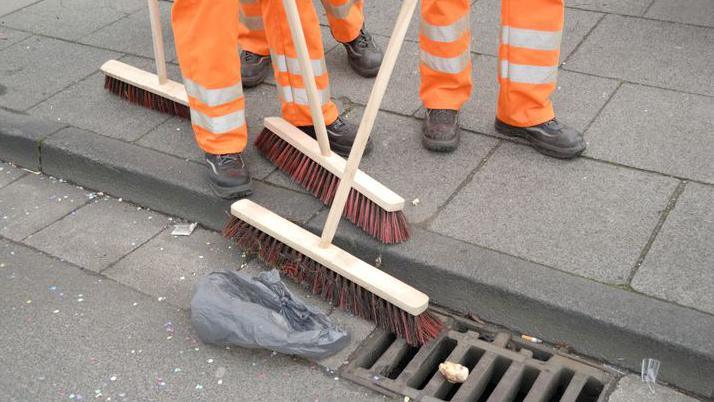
[(370, 114), (308, 75), (158, 39)]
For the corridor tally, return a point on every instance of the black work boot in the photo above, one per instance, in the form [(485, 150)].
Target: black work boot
[(441, 130), (228, 176), (550, 138), (341, 135), (254, 68), (364, 55)]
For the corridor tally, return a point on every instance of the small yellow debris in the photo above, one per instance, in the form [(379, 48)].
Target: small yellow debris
[(453, 372)]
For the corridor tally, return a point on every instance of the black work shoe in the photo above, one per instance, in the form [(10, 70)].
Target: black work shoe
[(228, 176), (550, 138), (341, 135), (441, 130), (254, 68), (364, 55)]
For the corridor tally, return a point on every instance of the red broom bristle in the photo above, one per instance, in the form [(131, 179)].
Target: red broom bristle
[(334, 288), (145, 98), (388, 227)]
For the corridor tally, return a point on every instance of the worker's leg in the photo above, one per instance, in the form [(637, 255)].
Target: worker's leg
[(286, 68), (251, 30), (346, 18), (528, 60), (206, 37), (528, 69), (444, 42)]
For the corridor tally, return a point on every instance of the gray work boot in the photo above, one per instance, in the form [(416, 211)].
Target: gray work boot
[(228, 175), (441, 130), (341, 135), (364, 55), (254, 68), (551, 138)]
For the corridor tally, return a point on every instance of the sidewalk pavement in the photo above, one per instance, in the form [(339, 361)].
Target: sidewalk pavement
[(98, 313), (616, 242)]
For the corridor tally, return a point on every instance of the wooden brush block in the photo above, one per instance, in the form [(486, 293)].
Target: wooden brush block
[(335, 164), (145, 80), (334, 258)]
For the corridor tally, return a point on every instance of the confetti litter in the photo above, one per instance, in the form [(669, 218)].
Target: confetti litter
[(182, 278), (183, 229), (200, 257), (220, 382), (52, 288), (199, 386), (28, 302), (209, 361), (168, 338), (135, 304), (415, 202), (113, 378), (274, 353), (195, 349), (80, 300), (55, 312), (161, 299), (177, 370)]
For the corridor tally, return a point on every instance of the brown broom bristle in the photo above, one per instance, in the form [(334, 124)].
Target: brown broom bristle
[(388, 227), (145, 98), (334, 288)]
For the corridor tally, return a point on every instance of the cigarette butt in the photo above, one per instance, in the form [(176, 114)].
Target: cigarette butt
[(531, 339)]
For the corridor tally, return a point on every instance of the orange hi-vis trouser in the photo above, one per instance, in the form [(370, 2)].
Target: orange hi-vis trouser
[(345, 17), (528, 57), (206, 38)]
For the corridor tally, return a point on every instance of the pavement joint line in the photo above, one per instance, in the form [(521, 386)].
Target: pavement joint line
[(138, 246), (642, 17), (79, 206), (20, 9), (71, 84), (426, 223), (604, 105), (681, 91), (123, 17), (154, 127), (583, 39), (671, 204), (681, 178), (17, 178), (647, 9)]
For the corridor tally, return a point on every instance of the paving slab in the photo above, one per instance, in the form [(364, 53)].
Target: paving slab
[(29, 77), (169, 266), (582, 217), (33, 202), (656, 129), (577, 98), (99, 234), (21, 134), (485, 27), (88, 105), (68, 19), (11, 36), (381, 16), (697, 12), (632, 389), (403, 92), (115, 343), (9, 174), (649, 52), (678, 266), (628, 7), (133, 34), (9, 6)]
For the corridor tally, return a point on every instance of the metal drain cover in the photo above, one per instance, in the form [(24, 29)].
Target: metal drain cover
[(501, 368)]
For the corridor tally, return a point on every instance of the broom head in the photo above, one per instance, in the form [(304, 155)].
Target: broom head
[(143, 88), (337, 276), (370, 205)]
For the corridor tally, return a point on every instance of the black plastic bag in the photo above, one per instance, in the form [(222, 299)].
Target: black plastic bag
[(233, 308)]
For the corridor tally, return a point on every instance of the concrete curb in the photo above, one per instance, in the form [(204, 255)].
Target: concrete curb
[(608, 323)]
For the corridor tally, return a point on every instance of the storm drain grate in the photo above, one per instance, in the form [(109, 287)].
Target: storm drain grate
[(501, 368)]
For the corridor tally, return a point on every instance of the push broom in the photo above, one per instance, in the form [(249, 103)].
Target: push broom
[(153, 91), (328, 271), (370, 205)]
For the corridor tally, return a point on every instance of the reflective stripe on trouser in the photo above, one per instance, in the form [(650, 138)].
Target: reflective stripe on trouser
[(445, 54), (251, 30), (528, 60), (286, 68), (346, 18), (206, 37)]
